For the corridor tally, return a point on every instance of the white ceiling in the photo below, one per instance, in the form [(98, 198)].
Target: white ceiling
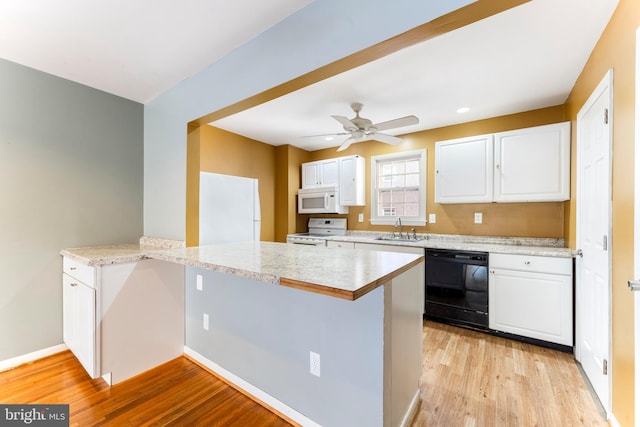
[(134, 49), (525, 58)]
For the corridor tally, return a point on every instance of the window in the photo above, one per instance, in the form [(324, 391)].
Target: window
[(398, 188)]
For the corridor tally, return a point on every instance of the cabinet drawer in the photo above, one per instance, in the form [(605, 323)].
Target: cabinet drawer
[(538, 264), (340, 244), (77, 270)]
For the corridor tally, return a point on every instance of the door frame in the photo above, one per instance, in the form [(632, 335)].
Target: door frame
[(636, 237), (607, 81)]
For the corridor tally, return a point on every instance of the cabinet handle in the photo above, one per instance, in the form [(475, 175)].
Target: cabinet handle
[(72, 268), (74, 285), (527, 262)]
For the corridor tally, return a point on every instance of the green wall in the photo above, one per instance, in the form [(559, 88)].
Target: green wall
[(71, 171)]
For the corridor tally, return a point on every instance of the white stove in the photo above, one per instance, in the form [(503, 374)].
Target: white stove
[(319, 230)]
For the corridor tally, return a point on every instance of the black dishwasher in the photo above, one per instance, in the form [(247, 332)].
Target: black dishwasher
[(456, 287)]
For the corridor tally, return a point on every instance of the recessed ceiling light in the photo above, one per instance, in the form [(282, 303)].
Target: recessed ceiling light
[(462, 109), (328, 138)]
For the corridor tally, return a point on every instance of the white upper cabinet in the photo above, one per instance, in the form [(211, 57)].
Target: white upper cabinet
[(323, 173), (464, 170), (524, 165), (346, 173), (532, 165), (352, 181)]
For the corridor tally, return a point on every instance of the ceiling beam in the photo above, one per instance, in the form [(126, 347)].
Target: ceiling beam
[(459, 18)]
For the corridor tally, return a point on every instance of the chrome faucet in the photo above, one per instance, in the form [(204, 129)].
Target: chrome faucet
[(399, 224)]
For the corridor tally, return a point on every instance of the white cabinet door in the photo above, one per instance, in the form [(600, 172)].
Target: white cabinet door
[(530, 304), (464, 172), (323, 173), (532, 164), (352, 181), (310, 175), (79, 322), (329, 173)]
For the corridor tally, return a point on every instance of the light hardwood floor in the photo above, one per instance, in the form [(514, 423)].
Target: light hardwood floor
[(475, 379), (469, 379)]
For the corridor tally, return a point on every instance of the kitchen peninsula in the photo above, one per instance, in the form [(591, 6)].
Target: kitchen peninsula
[(257, 312)]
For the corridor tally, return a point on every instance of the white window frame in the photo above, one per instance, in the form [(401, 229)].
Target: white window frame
[(421, 220)]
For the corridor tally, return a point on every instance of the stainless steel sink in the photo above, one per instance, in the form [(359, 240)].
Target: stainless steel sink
[(397, 239)]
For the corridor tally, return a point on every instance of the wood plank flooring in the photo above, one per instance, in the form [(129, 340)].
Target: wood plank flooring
[(475, 379), (178, 393), (469, 379)]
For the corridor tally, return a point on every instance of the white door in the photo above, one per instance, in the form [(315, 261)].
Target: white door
[(593, 283), (636, 249)]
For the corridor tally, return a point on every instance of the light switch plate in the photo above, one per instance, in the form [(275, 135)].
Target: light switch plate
[(432, 218), (360, 217), (477, 217)]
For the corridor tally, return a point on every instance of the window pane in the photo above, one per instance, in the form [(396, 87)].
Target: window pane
[(398, 181), (397, 197), (398, 168), (413, 166), (412, 209), (413, 180), (412, 196)]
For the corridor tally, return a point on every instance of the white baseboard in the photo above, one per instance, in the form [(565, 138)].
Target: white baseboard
[(612, 421), (251, 389), (30, 357), (412, 410)]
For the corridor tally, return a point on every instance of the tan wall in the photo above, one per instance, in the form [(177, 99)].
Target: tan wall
[(616, 49), (499, 219), (288, 160), (214, 150)]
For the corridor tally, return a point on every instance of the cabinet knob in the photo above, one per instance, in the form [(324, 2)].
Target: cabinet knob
[(527, 262), (73, 285), (72, 268)]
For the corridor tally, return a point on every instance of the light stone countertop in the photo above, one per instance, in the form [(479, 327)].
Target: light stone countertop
[(504, 245), (342, 273), (119, 254)]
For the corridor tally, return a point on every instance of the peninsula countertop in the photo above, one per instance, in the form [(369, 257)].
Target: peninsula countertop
[(342, 273), (347, 273)]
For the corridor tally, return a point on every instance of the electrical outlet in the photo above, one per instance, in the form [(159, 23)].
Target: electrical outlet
[(432, 218), (477, 217), (205, 321), (360, 217), (314, 363), (199, 282)]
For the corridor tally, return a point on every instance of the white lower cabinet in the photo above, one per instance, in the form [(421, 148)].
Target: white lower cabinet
[(79, 320), (122, 319), (532, 296)]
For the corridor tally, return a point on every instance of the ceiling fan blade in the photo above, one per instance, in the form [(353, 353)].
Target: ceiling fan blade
[(346, 123), (397, 123), (347, 142), (388, 139), (326, 134)]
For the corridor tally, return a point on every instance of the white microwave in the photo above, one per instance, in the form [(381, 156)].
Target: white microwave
[(320, 200)]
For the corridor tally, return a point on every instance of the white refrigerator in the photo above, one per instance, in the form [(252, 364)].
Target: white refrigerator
[(229, 209)]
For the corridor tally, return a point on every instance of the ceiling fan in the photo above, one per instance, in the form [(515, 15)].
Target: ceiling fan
[(361, 129)]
